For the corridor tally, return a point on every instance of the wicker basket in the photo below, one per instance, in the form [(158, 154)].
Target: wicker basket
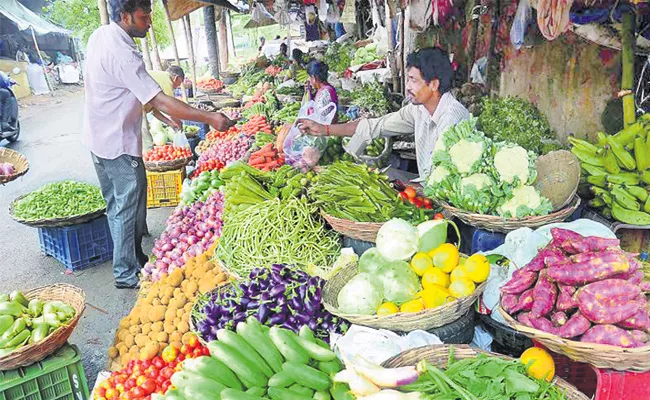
[(558, 176), (20, 163), (402, 322), (598, 355), (495, 223), (164, 166), (34, 352), (366, 231), (438, 355), (55, 222)]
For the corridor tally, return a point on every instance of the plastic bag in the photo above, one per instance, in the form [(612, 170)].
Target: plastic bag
[(180, 140), (304, 151), (333, 14), (520, 24)]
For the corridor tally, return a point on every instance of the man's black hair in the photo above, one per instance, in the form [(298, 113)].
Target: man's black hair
[(318, 69), (297, 55), (433, 64), (284, 49), (175, 71), (118, 7)]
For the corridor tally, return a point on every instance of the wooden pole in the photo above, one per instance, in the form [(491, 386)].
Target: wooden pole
[(493, 62), (146, 56), (187, 27), (103, 12), (211, 39), (627, 60), (473, 33), (392, 52), (402, 52), (174, 45), (38, 51), (231, 40), (157, 64), (223, 40)]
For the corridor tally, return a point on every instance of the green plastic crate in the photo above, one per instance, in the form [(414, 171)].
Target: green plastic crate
[(57, 377)]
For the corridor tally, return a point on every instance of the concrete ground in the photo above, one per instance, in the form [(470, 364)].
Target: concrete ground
[(51, 141)]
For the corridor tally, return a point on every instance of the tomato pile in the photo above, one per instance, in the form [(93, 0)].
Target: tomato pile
[(256, 124), (210, 84), (410, 195), (167, 152), (140, 379), (208, 165)]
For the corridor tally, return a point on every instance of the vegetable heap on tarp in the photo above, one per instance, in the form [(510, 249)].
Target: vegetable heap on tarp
[(60, 200)]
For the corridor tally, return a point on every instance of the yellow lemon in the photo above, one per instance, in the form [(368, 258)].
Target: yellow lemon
[(477, 267), (412, 306), (459, 273), (435, 296), (462, 287), (420, 263), (435, 276), (539, 363), (387, 308), (446, 257)]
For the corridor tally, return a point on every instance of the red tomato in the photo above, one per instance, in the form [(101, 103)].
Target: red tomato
[(166, 385), (410, 192), (428, 203), (402, 196), (181, 357), (438, 216), (120, 378), (206, 352), (152, 372), (193, 341), (167, 372), (169, 354), (101, 392), (419, 202), (158, 362), (185, 349), (197, 353), (149, 386), (138, 391), (111, 394), (130, 383), (140, 380)]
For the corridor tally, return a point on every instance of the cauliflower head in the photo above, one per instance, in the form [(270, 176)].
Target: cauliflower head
[(514, 165), (524, 201)]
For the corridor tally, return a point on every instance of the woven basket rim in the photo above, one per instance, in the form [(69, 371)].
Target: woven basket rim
[(571, 348), (55, 222), (353, 229), (164, 166), (10, 155)]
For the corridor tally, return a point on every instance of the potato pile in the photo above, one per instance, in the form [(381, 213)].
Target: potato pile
[(162, 316)]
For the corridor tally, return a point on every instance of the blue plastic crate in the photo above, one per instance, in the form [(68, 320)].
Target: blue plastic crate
[(78, 246), (203, 128), (485, 240)]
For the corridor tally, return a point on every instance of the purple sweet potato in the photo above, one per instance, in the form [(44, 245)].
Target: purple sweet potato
[(521, 280), (607, 265), (539, 262), (544, 296), (640, 336), (525, 302), (639, 321), (611, 335), (563, 238), (559, 318), (645, 286), (594, 243), (575, 326), (544, 324), (565, 300), (636, 278), (524, 318), (509, 302), (584, 257), (556, 258), (609, 302)]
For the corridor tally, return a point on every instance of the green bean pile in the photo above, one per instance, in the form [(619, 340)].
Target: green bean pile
[(277, 232), (60, 200)]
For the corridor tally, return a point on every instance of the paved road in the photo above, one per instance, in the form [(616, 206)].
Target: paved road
[(51, 141)]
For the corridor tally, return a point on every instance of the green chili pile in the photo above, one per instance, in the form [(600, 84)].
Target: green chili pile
[(60, 200)]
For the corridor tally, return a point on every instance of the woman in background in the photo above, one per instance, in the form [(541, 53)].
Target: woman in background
[(318, 88)]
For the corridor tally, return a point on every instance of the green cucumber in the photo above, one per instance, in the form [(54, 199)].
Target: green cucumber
[(257, 391), (286, 342), (324, 395), (341, 391), (305, 391), (315, 351), (234, 394), (307, 376), (286, 394), (252, 333), (247, 372), (214, 369), (281, 380), (330, 367), (237, 342)]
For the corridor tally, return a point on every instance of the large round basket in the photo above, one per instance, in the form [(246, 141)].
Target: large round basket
[(55, 222), (401, 322), (20, 163), (438, 355), (558, 177), (495, 223), (164, 166), (598, 355), (34, 352), (366, 231)]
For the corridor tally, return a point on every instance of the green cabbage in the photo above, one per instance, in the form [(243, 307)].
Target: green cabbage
[(361, 295), (397, 240), (399, 282), (371, 261)]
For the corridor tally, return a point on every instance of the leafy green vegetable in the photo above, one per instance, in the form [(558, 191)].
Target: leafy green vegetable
[(60, 200), (339, 56), (515, 120), (372, 97)]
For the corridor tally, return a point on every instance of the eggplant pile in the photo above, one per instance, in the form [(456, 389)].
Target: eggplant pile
[(25, 321), (279, 296)]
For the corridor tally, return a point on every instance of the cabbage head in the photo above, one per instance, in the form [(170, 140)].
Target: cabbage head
[(514, 165), (397, 240), (524, 201), (371, 261), (361, 295), (399, 282)]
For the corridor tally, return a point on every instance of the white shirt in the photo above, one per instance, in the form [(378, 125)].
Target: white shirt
[(412, 119), (117, 86)]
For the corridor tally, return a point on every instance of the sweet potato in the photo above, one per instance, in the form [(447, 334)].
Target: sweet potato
[(565, 300), (556, 258), (583, 257), (544, 296), (521, 280), (605, 266), (524, 318), (509, 302), (609, 302), (645, 286), (525, 302), (613, 289), (641, 337), (575, 326), (544, 324), (563, 237), (559, 318), (639, 321), (609, 334), (539, 262), (636, 278), (575, 243)]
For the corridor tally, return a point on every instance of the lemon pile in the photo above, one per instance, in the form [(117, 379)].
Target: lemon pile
[(445, 277)]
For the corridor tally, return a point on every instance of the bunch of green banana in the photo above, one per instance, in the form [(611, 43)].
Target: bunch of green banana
[(25, 321), (617, 171)]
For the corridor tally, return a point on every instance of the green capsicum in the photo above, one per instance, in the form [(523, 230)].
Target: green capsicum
[(19, 298), (18, 326), (39, 332), (5, 323), (35, 307), (18, 340)]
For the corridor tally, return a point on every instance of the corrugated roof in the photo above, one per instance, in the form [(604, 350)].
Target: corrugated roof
[(25, 19), (180, 8)]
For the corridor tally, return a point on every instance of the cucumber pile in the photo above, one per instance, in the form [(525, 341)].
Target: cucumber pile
[(617, 171), (258, 362)]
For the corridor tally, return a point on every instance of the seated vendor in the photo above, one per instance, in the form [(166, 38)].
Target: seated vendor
[(168, 81), (432, 111), (318, 88)]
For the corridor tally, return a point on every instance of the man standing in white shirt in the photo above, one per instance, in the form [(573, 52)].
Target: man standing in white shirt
[(117, 86), (431, 112)]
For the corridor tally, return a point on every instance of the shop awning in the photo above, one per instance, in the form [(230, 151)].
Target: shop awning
[(180, 8), (25, 19)]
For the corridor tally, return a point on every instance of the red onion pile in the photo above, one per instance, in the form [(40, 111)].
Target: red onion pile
[(191, 230), (227, 150)]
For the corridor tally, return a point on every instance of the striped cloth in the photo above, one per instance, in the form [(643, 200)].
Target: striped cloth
[(412, 119)]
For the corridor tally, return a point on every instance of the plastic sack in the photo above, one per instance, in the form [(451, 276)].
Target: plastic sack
[(304, 151), (180, 140), (333, 14), (523, 16)]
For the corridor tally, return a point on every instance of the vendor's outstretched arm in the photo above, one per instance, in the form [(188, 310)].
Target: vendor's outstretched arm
[(163, 118), (313, 128), (177, 109)]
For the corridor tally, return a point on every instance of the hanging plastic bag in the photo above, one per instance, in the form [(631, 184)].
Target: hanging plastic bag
[(322, 10), (304, 151), (180, 139), (260, 13), (520, 24), (333, 14)]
